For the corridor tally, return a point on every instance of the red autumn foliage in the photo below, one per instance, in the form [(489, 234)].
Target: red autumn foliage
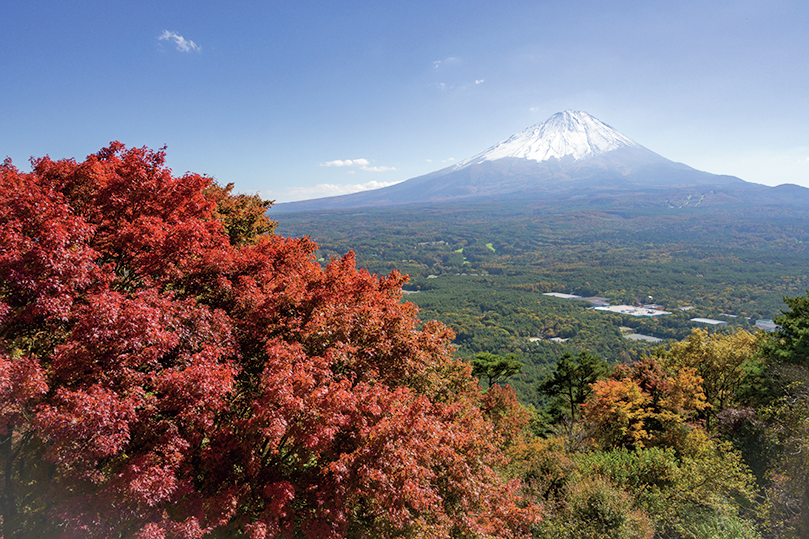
[(167, 371), (509, 417)]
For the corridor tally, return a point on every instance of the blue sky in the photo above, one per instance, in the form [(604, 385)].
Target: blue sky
[(312, 98)]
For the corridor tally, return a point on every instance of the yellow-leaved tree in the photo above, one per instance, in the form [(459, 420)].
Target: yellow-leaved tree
[(726, 362)]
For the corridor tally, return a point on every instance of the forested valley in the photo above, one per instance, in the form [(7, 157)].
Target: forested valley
[(694, 433), (178, 362), (483, 269)]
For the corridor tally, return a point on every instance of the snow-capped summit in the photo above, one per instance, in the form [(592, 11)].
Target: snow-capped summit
[(569, 133), (569, 158)]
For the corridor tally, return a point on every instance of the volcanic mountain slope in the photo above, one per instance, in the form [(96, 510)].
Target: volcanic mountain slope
[(572, 155), (566, 134)]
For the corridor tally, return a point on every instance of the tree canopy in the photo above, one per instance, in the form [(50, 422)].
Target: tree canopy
[(495, 367), (726, 363), (170, 368), (571, 382), (790, 342)]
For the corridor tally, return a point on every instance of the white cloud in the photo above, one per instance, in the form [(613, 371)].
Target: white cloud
[(346, 163), (480, 81), (361, 164), (333, 189), (183, 45)]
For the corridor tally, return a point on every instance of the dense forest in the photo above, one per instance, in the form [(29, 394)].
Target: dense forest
[(483, 270), (175, 364)]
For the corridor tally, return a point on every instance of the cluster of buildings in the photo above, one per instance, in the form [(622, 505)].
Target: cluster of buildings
[(602, 304), (646, 310), (652, 310)]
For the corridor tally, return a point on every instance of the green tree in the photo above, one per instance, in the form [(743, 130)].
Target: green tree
[(570, 383), (495, 367), (790, 344), (787, 419), (788, 424)]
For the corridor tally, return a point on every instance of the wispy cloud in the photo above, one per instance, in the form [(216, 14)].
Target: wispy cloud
[(447, 61), (182, 44), (333, 189), (480, 81), (346, 163), (361, 164)]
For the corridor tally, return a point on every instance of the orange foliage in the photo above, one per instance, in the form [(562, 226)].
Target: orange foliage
[(645, 407)]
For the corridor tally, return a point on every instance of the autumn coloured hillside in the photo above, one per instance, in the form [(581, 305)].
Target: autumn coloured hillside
[(171, 367)]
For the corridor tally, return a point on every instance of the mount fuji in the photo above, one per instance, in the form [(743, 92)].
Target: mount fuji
[(570, 157), (565, 134)]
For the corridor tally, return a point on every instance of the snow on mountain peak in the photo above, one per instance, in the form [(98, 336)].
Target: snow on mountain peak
[(569, 133)]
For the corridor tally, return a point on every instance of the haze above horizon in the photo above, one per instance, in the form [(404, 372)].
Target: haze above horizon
[(314, 99)]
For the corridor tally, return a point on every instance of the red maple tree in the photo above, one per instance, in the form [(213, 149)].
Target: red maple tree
[(170, 369)]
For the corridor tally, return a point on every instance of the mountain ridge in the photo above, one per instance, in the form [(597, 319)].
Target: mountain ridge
[(570, 155)]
